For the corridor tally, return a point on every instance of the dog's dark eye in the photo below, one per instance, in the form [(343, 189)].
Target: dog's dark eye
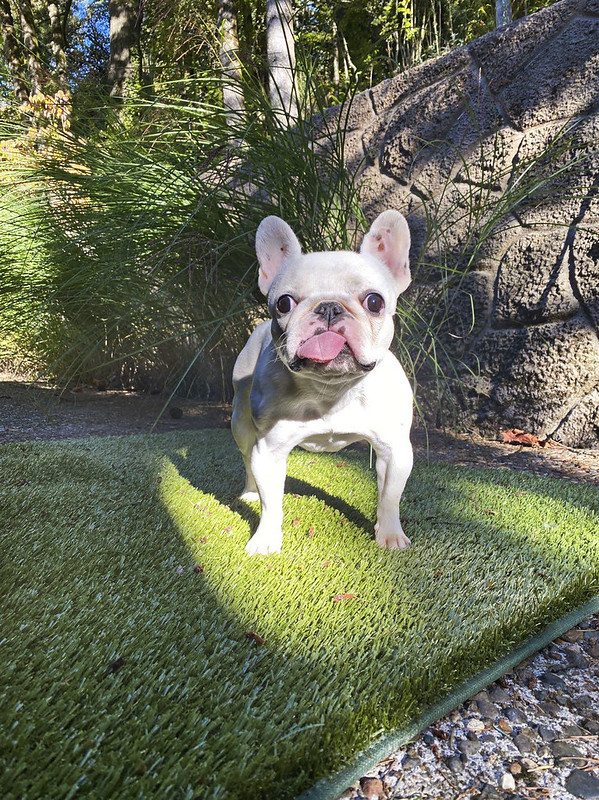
[(374, 303), (285, 303)]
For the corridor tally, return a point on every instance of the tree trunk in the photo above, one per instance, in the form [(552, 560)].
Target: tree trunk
[(13, 52), (229, 59), (30, 40), (503, 12), (336, 77), (124, 19), (58, 46), (349, 64), (280, 52)]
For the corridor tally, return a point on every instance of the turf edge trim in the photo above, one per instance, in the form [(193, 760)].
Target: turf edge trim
[(331, 788)]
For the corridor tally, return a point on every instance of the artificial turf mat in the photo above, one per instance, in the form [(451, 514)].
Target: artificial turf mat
[(143, 654)]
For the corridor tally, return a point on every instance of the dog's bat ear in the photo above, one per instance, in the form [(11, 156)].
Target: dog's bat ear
[(389, 240), (275, 243)]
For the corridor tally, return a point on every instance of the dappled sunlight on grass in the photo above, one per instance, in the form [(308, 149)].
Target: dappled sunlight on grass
[(481, 541)]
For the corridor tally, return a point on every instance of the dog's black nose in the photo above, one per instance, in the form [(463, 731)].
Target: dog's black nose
[(329, 311)]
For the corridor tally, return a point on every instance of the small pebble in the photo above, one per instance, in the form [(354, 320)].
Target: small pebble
[(546, 734), (524, 743), (567, 753), (475, 725), (583, 784), (551, 679), (549, 708), (575, 635), (505, 725), (577, 660), (516, 716), (508, 782), (584, 702), (489, 792), (499, 695), (573, 730), (515, 768), (592, 726), (488, 710), (455, 764), (467, 747)]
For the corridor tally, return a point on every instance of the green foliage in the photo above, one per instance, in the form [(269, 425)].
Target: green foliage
[(142, 237), (129, 674), (177, 42)]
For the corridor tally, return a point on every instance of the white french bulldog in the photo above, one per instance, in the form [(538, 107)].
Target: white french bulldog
[(320, 373)]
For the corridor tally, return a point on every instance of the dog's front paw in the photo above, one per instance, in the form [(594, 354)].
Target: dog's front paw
[(249, 497), (262, 545), (392, 541)]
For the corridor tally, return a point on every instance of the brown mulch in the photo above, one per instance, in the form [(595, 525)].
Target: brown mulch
[(43, 412)]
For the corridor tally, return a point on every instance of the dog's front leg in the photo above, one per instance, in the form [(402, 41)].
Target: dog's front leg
[(269, 467), (393, 466)]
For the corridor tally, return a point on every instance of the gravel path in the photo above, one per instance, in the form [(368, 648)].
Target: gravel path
[(532, 734)]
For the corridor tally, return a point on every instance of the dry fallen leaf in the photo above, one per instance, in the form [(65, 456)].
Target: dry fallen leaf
[(373, 788), (516, 436), (505, 725), (345, 596), (254, 637)]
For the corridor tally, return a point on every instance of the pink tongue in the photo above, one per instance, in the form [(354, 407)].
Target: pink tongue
[(323, 347)]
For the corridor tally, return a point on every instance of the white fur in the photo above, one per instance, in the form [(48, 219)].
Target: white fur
[(282, 401)]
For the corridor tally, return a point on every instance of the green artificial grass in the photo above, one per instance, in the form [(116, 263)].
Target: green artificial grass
[(143, 654)]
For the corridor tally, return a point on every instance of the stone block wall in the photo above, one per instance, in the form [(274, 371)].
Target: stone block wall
[(492, 151)]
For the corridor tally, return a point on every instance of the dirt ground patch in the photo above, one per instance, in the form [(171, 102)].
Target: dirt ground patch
[(42, 412)]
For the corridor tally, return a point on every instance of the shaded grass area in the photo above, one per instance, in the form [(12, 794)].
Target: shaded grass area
[(144, 654)]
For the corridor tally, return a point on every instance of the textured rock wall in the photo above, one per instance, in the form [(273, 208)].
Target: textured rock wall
[(493, 153)]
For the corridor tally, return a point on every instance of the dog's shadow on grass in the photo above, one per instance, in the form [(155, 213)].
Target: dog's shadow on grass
[(353, 514)]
